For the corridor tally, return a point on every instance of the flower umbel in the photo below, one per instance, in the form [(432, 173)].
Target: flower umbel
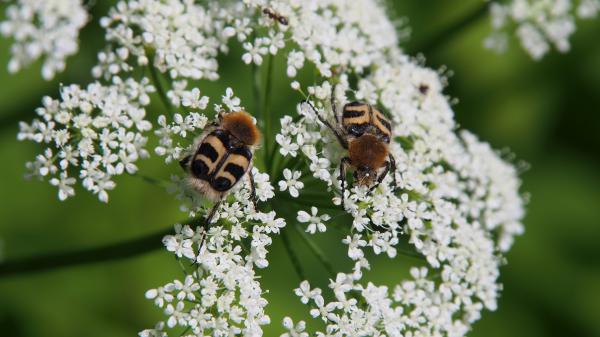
[(451, 199), (93, 133), (540, 24), (43, 29)]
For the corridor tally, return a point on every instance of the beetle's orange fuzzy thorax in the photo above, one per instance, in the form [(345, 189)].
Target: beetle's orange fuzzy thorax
[(367, 151), (241, 126)]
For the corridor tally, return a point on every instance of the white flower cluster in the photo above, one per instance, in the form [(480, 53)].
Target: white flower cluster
[(329, 41), (456, 200), (221, 296), (540, 24), (43, 29), (181, 38), (93, 133)]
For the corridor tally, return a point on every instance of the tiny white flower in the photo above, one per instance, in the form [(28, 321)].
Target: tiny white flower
[(315, 221), (193, 99), (294, 330), (254, 53), (43, 29), (305, 293), (64, 186), (232, 102), (286, 146), (291, 182)]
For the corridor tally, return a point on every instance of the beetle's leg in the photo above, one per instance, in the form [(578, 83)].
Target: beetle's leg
[(252, 189), (212, 212), (220, 115), (219, 120), (392, 162), (185, 162), (338, 118), (338, 135), (382, 175), (343, 163)]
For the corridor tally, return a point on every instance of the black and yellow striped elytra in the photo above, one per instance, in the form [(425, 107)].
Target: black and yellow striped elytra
[(222, 157), (221, 160), (361, 118), (365, 132)]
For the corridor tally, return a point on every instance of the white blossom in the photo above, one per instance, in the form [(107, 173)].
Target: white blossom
[(232, 102), (193, 100), (47, 30), (294, 330), (315, 222), (540, 24), (100, 130), (181, 35), (291, 182)]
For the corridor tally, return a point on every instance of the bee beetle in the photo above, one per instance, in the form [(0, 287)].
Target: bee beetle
[(275, 16), (222, 157), (365, 132)]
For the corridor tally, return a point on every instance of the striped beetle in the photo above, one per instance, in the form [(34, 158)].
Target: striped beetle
[(222, 157), (365, 132)]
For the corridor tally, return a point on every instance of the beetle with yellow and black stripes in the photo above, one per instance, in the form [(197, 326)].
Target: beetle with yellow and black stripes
[(222, 157), (365, 132)]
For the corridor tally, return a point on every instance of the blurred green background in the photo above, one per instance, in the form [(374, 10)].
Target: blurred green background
[(547, 113)]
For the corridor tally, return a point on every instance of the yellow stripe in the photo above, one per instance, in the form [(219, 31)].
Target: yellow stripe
[(234, 159)]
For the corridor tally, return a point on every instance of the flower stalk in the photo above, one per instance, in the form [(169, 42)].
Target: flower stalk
[(445, 36), (316, 250), (105, 253)]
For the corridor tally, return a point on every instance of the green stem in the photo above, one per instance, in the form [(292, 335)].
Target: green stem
[(268, 118), (181, 266), (445, 35), (403, 250), (316, 251), (185, 331), (293, 257), (159, 88), (309, 203), (256, 91), (150, 180), (109, 252)]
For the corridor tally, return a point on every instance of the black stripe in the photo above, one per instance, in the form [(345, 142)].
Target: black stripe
[(385, 123), (200, 169), (355, 103), (357, 130), (242, 151), (185, 162), (353, 113), (236, 170), (209, 151), (221, 184), (223, 136)]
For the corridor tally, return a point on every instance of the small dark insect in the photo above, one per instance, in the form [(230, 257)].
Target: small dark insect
[(365, 132), (276, 16), (424, 89), (222, 157)]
